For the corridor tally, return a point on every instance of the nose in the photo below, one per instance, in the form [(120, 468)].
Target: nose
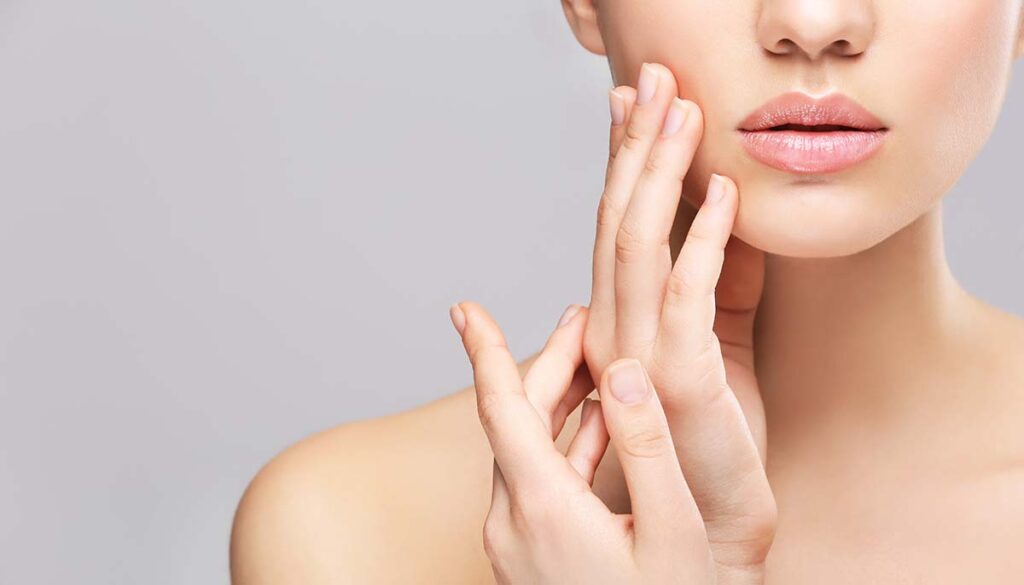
[(816, 27)]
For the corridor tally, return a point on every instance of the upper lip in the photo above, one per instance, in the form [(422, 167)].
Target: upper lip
[(799, 108)]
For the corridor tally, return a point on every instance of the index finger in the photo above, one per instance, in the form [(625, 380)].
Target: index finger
[(521, 443), (621, 100)]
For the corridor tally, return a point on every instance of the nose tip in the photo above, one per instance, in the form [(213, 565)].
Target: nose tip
[(815, 28)]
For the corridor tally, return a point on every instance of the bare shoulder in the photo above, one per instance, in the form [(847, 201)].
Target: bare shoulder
[(398, 499)]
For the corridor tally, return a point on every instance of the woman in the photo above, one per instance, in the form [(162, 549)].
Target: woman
[(879, 440)]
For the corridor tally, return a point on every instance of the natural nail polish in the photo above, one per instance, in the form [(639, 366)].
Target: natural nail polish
[(716, 189), (567, 316), (676, 117), (618, 107), (628, 382), (458, 317), (647, 86)]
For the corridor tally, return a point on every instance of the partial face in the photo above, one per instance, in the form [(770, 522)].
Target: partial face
[(933, 73)]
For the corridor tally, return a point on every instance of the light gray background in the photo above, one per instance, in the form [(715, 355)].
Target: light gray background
[(227, 224)]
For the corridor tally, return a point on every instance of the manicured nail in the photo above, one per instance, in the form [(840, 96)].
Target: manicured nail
[(458, 317), (569, 313), (716, 189), (677, 113), (618, 107), (628, 382), (647, 85)]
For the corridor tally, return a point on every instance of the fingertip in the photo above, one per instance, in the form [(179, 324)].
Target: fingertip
[(627, 92), (587, 410), (458, 317), (591, 409), (480, 326), (695, 115), (662, 70), (569, 315), (720, 190)]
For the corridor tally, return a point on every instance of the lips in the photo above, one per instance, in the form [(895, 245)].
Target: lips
[(797, 133)]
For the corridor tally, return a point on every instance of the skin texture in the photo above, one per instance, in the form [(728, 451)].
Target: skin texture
[(890, 396)]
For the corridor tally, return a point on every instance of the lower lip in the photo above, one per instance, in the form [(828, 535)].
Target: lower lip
[(799, 151)]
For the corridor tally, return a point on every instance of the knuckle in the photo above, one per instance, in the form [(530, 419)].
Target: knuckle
[(488, 408), (648, 442), (699, 236), (534, 513), (655, 165), (628, 243), (684, 283), (761, 526), (613, 153), (609, 213), (632, 138), (495, 536), (752, 534), (480, 353)]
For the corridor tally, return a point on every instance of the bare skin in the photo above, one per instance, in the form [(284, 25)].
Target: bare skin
[(932, 497), (895, 451), (891, 396)]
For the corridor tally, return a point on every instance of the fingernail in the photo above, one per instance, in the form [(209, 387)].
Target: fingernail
[(617, 103), (569, 313), (676, 117), (628, 383), (647, 85), (716, 189), (458, 317), (588, 410)]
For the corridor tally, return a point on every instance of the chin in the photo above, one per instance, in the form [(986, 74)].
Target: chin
[(814, 217)]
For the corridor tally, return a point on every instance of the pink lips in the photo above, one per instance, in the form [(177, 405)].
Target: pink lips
[(800, 134)]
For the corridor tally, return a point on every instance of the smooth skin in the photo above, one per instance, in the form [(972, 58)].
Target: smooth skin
[(545, 524), (665, 314), (891, 397)]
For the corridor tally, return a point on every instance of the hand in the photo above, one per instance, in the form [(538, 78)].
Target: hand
[(545, 525), (695, 341)]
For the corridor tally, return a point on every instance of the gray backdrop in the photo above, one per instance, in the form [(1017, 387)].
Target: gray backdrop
[(227, 224)]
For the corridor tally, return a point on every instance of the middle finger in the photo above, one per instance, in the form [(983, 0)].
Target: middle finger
[(643, 257)]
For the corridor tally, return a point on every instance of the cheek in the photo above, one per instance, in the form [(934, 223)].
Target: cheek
[(951, 61), (690, 37), (936, 72)]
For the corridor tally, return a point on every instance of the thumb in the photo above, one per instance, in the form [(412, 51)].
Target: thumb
[(664, 510)]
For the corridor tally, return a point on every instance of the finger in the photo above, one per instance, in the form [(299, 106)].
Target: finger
[(581, 386), (737, 297), (688, 311), (643, 254), (499, 490), (621, 101), (722, 463), (555, 383), (588, 446), (736, 300), (521, 443), (655, 90), (602, 294), (662, 507), (717, 450)]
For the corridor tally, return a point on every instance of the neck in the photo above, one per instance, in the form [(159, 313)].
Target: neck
[(854, 336)]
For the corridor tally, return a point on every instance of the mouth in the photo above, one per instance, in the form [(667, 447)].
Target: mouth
[(800, 134)]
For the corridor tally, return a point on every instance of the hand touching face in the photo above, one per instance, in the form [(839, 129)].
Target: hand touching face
[(696, 344), (935, 73)]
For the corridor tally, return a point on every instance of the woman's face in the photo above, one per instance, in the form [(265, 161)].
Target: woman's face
[(934, 73)]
